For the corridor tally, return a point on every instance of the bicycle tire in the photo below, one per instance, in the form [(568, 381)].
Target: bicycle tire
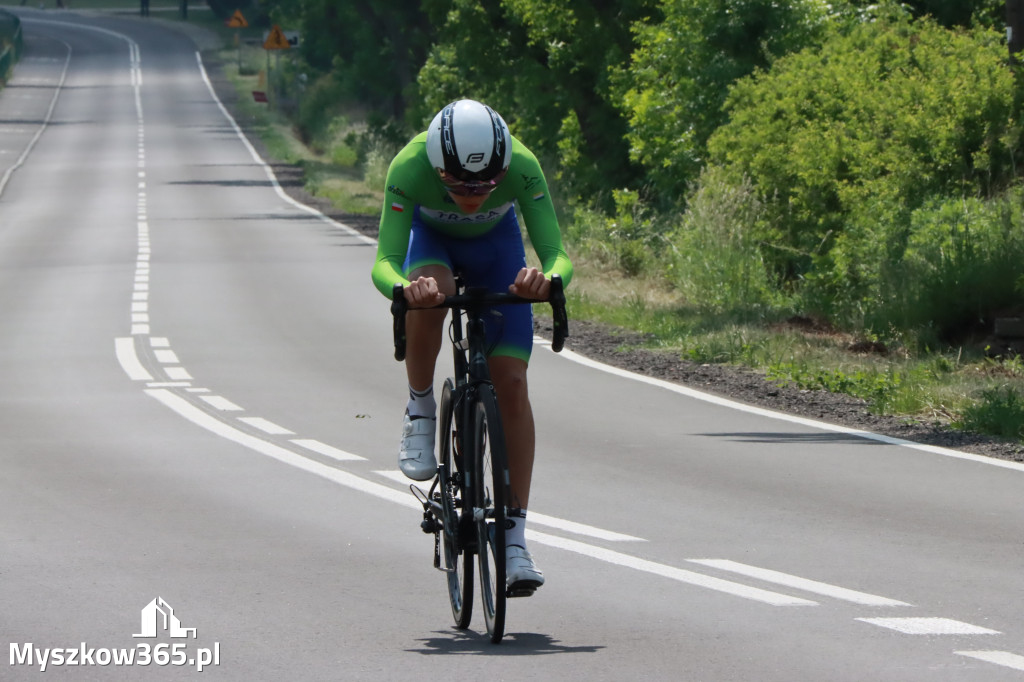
[(491, 492), (458, 563)]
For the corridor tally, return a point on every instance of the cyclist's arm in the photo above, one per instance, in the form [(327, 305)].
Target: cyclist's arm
[(392, 243), (539, 216), (396, 218)]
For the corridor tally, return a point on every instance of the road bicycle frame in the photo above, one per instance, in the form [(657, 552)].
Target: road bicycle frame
[(465, 508)]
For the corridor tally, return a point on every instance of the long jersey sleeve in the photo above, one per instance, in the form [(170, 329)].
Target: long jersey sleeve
[(413, 185)]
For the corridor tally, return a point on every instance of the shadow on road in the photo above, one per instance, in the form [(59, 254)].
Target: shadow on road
[(783, 437), (514, 644)]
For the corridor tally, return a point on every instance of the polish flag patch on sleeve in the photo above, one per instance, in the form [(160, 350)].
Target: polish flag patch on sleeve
[(395, 206)]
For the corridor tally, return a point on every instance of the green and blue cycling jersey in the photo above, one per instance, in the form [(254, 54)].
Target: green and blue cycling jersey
[(421, 225)]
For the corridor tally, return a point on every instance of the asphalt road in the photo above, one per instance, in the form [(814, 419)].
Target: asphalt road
[(199, 414)]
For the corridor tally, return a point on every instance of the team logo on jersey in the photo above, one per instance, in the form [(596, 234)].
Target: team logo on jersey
[(457, 217), (529, 181), (395, 189)]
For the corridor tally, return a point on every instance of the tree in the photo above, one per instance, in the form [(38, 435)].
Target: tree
[(951, 13), (673, 90), (371, 49), (545, 66)]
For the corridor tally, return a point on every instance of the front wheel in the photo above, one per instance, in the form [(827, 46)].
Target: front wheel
[(458, 563), (491, 493)]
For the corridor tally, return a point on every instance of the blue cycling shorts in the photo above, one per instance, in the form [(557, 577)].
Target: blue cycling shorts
[(491, 260)]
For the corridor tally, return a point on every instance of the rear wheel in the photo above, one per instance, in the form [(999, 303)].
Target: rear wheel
[(458, 563), (490, 491)]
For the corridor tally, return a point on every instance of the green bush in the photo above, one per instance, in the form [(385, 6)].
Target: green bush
[(632, 239), (1000, 412), (320, 105), (845, 141), (964, 261), (717, 265)]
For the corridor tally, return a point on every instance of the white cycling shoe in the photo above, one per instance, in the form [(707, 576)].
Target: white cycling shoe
[(416, 458), (522, 576)]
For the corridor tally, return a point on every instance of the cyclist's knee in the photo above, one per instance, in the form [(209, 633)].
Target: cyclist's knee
[(509, 377), (426, 318)]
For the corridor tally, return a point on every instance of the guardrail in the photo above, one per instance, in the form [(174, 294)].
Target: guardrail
[(11, 44)]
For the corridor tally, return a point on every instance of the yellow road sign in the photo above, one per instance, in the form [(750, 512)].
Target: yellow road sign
[(276, 40), (237, 20)]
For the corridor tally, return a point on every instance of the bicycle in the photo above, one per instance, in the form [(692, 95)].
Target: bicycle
[(466, 505)]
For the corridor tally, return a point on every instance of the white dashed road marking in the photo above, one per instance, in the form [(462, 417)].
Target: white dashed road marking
[(929, 626), (265, 426), (1003, 658), (327, 450)]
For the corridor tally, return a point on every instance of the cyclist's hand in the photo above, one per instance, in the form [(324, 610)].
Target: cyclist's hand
[(531, 283), (423, 293)]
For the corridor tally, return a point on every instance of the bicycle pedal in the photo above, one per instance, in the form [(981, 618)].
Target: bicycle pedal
[(521, 590)]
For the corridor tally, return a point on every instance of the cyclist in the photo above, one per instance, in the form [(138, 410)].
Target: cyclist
[(449, 206)]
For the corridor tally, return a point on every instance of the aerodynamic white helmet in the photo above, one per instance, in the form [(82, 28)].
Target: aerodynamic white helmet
[(469, 145)]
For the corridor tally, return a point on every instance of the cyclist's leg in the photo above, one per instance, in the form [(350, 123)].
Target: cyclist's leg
[(493, 260), (424, 330), (509, 377), (427, 256)]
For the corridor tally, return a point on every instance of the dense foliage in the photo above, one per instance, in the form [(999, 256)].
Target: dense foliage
[(673, 89), (852, 159), (871, 147), (546, 66)]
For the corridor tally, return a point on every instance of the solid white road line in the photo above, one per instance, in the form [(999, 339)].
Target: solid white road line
[(580, 528), (665, 571), (793, 581), (6, 177), (538, 518), (269, 171), (129, 359), (197, 416), (929, 626), (714, 399)]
